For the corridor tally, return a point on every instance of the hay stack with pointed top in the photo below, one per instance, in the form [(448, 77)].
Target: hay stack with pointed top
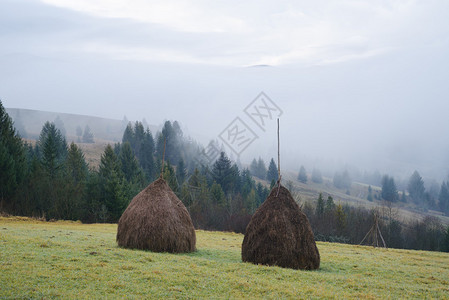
[(279, 233), (156, 220)]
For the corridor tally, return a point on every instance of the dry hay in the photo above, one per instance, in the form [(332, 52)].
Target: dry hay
[(279, 233), (156, 220)]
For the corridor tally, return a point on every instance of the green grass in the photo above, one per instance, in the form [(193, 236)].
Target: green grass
[(74, 260)]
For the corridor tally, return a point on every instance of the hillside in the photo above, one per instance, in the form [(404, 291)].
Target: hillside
[(103, 129), (73, 260), (357, 196), (110, 131)]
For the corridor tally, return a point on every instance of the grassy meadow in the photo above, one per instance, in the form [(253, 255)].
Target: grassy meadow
[(73, 260)]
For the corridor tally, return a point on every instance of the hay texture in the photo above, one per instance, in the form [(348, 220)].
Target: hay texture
[(156, 220), (279, 234)]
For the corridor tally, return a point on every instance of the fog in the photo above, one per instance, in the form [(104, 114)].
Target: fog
[(360, 85)]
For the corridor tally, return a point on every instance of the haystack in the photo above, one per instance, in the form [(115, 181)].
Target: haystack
[(156, 220), (279, 233)]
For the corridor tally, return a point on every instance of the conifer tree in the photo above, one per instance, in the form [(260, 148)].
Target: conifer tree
[(181, 172), (340, 217), (222, 173), (416, 188), (53, 149), (217, 195), (445, 246), (73, 204), (443, 198), (272, 173), (112, 185), (12, 159), (261, 169), (320, 206), (146, 158), (169, 175), (128, 162), (389, 190), (370, 194), (330, 204), (253, 167), (88, 136), (302, 175)]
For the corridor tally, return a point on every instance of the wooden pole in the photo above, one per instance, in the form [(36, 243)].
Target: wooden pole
[(279, 154), (163, 157), (279, 163)]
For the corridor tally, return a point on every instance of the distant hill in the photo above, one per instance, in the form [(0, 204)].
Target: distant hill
[(29, 124)]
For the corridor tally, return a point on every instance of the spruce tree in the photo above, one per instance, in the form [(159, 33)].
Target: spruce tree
[(128, 162), (12, 159), (222, 173), (261, 169), (146, 158), (389, 190), (139, 137), (370, 194), (181, 172), (330, 204), (250, 202), (247, 183), (217, 195), (73, 204), (169, 175), (171, 138), (272, 173), (416, 188), (112, 185), (443, 198), (88, 136), (76, 166), (128, 135), (445, 246), (302, 175), (235, 179), (320, 206), (340, 217), (53, 149), (253, 168), (261, 193)]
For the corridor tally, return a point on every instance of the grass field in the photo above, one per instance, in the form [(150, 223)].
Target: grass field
[(74, 260)]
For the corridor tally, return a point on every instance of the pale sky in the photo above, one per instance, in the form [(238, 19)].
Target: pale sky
[(361, 82)]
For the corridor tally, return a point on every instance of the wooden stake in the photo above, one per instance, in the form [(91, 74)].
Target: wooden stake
[(279, 164), (279, 155), (375, 232), (163, 157)]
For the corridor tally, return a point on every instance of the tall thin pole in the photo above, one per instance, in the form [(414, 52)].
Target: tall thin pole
[(279, 154), (163, 157), (279, 164)]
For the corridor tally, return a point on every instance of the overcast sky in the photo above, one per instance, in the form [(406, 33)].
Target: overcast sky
[(359, 82)]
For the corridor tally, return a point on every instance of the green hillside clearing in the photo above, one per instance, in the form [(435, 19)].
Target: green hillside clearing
[(74, 260)]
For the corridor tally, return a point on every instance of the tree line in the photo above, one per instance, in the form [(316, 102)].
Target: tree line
[(51, 178), (346, 224), (436, 197)]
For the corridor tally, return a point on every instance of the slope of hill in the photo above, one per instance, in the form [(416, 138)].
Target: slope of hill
[(107, 131), (356, 196), (31, 121), (73, 260)]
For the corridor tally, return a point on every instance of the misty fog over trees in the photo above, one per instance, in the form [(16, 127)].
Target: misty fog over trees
[(52, 180)]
